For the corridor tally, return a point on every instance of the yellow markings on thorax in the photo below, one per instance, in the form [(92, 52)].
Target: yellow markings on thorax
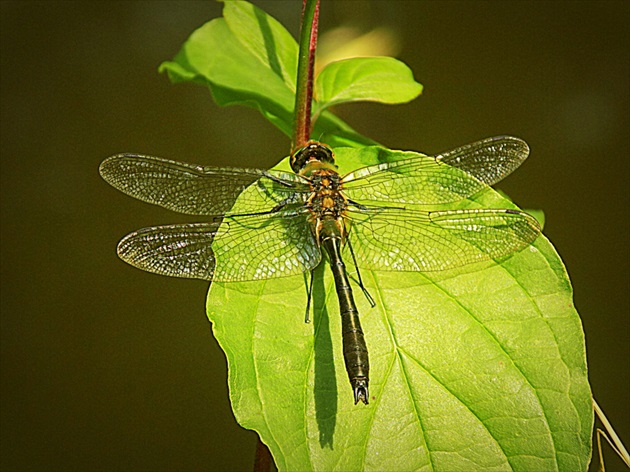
[(327, 203)]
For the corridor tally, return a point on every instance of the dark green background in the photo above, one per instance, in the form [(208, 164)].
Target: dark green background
[(105, 367)]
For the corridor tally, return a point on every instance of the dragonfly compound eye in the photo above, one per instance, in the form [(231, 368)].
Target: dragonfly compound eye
[(313, 151)]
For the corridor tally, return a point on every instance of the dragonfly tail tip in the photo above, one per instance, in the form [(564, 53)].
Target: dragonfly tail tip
[(360, 388)]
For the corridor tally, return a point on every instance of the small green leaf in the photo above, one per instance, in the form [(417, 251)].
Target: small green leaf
[(215, 57), (373, 79), (478, 368), (248, 58)]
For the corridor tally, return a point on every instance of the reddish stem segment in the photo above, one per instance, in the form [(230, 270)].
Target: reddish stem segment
[(263, 460), (306, 66)]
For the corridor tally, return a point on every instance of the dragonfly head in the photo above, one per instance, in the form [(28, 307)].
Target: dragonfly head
[(313, 152)]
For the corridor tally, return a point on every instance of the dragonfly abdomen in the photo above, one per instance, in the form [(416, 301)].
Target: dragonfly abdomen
[(355, 353)]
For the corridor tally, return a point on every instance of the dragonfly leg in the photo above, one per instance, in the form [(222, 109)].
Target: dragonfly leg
[(309, 296), (365, 291)]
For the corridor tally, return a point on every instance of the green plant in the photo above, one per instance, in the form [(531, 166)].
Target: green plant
[(480, 368)]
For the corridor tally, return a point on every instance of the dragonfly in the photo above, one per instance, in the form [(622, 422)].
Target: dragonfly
[(392, 216)]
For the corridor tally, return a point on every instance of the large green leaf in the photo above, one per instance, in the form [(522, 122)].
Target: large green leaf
[(371, 79), (248, 58), (265, 38), (478, 368)]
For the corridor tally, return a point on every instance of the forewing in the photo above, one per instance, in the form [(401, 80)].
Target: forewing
[(198, 190), (489, 160), (447, 178), (398, 240), (237, 249)]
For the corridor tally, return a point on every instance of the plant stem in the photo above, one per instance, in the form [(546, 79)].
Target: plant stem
[(304, 83), (614, 440), (263, 459)]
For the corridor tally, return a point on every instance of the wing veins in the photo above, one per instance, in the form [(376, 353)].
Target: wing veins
[(198, 190), (446, 178), (408, 240), (237, 249)]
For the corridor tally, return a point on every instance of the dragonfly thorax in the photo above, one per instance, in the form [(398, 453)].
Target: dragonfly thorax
[(327, 204), (327, 200)]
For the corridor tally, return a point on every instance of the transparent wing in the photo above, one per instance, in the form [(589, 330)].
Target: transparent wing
[(445, 178), (198, 190), (238, 249), (399, 240), (489, 160)]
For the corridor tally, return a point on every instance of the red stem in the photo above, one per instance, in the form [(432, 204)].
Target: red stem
[(263, 459), (306, 66)]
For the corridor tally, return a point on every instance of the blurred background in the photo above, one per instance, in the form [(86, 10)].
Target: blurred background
[(105, 367)]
